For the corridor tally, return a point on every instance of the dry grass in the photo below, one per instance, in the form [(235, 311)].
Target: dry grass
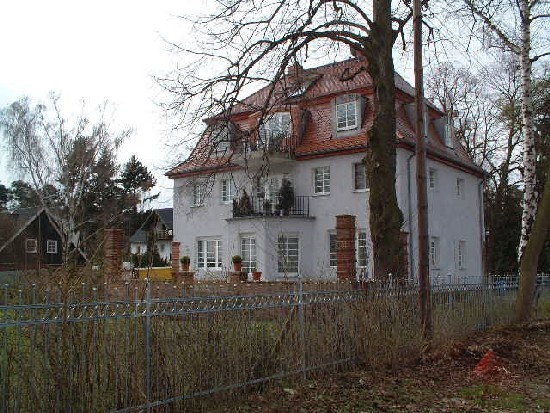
[(101, 365)]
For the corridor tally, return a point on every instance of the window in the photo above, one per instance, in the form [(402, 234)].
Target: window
[(461, 254), (199, 192), (288, 253), (332, 254), (267, 188), (432, 178), (51, 246), (228, 190), (322, 180), (359, 177), (449, 135), (209, 253), (434, 251), (274, 129), (460, 187), (248, 253), (362, 251), (220, 139), (347, 113), (31, 246)]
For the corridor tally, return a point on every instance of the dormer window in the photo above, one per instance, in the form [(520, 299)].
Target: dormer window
[(220, 140), (274, 129), (449, 131), (347, 112)]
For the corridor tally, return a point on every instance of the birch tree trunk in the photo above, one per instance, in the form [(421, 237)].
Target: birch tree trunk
[(530, 197)]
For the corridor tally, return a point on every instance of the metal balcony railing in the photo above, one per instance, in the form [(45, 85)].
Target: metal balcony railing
[(270, 207)]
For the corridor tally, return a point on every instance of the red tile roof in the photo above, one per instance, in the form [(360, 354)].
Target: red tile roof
[(310, 89)]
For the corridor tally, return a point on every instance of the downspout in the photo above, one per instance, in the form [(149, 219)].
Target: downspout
[(482, 229), (410, 212)]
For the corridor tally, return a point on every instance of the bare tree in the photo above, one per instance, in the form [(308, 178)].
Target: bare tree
[(245, 42), (511, 24), (74, 157)]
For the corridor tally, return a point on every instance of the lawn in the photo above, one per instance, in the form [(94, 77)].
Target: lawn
[(441, 381)]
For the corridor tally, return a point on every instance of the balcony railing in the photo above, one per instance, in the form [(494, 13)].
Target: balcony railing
[(270, 207), (163, 234)]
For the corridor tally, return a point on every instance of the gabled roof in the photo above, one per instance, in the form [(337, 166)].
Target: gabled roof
[(308, 88), (166, 217), (21, 219)]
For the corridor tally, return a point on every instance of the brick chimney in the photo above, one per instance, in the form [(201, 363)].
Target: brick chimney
[(294, 70)]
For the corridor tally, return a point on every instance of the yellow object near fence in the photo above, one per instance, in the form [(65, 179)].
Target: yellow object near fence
[(155, 273)]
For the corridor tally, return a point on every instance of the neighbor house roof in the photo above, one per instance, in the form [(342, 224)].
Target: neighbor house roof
[(166, 217)]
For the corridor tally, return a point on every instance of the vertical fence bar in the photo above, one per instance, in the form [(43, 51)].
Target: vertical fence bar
[(148, 344), (301, 316)]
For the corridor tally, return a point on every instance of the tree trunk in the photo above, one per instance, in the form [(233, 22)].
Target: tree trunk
[(530, 198), (385, 215), (530, 257)]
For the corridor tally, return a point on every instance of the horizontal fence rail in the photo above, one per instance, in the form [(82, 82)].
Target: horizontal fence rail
[(76, 351)]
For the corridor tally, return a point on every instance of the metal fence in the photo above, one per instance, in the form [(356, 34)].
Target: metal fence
[(73, 351)]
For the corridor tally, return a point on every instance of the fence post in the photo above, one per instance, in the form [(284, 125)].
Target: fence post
[(148, 344), (301, 316)]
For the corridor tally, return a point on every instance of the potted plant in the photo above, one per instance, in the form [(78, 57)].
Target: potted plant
[(286, 196), (185, 261), (237, 263)]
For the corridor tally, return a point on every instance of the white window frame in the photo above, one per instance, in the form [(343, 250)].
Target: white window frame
[(212, 261), (461, 254), (357, 168), (459, 187), (321, 180), (31, 246), (51, 246), (228, 191), (288, 245), (199, 194), (347, 113), (249, 253), (432, 179), (434, 252), (362, 249)]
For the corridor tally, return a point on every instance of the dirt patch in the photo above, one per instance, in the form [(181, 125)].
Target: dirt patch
[(443, 381)]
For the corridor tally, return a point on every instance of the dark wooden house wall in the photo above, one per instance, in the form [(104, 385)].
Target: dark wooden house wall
[(15, 257)]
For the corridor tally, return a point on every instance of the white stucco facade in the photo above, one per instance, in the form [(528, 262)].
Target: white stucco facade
[(455, 220)]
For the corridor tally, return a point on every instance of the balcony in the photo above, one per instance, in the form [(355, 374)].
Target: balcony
[(278, 148), (163, 235), (261, 207)]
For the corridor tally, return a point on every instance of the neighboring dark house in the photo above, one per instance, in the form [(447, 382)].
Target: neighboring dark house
[(31, 239), (158, 224)]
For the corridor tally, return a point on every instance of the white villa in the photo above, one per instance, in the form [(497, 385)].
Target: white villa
[(228, 198)]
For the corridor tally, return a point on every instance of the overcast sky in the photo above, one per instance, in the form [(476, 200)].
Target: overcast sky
[(95, 50), (98, 50)]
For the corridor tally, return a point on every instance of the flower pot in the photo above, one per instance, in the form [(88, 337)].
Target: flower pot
[(185, 267), (238, 266), (256, 275)]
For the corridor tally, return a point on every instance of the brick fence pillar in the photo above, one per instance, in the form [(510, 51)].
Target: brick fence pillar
[(345, 247), (175, 257), (112, 248)]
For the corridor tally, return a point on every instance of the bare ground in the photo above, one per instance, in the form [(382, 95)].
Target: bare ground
[(443, 381)]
